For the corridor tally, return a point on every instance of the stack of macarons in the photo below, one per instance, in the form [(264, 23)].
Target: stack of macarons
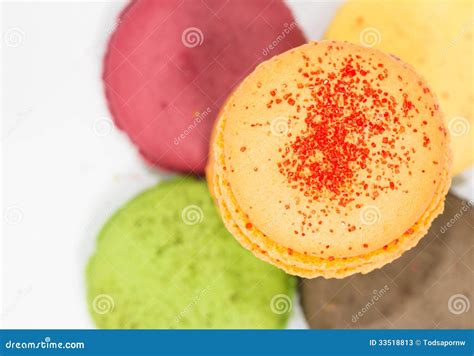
[(330, 159), (327, 159)]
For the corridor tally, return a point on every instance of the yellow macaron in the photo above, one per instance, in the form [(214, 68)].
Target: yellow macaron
[(436, 37), (330, 159)]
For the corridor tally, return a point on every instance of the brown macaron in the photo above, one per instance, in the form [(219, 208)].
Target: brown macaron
[(429, 287)]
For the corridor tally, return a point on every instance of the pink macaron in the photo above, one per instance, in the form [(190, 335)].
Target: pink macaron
[(170, 65)]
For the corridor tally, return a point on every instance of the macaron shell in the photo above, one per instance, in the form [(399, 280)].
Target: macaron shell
[(170, 65), (419, 290), (258, 183), (437, 38), (165, 260), (308, 266)]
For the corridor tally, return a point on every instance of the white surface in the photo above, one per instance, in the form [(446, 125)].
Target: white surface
[(64, 165)]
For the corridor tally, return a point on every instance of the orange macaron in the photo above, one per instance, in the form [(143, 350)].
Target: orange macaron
[(330, 159)]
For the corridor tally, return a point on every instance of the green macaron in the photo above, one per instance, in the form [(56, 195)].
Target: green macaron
[(165, 260)]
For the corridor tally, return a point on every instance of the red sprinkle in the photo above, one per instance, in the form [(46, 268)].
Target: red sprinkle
[(350, 125), (326, 156)]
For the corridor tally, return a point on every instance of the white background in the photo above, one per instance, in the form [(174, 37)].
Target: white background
[(65, 167)]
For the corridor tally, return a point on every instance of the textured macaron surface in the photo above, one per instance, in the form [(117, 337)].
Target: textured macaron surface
[(171, 64), (327, 155), (165, 260), (437, 39)]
